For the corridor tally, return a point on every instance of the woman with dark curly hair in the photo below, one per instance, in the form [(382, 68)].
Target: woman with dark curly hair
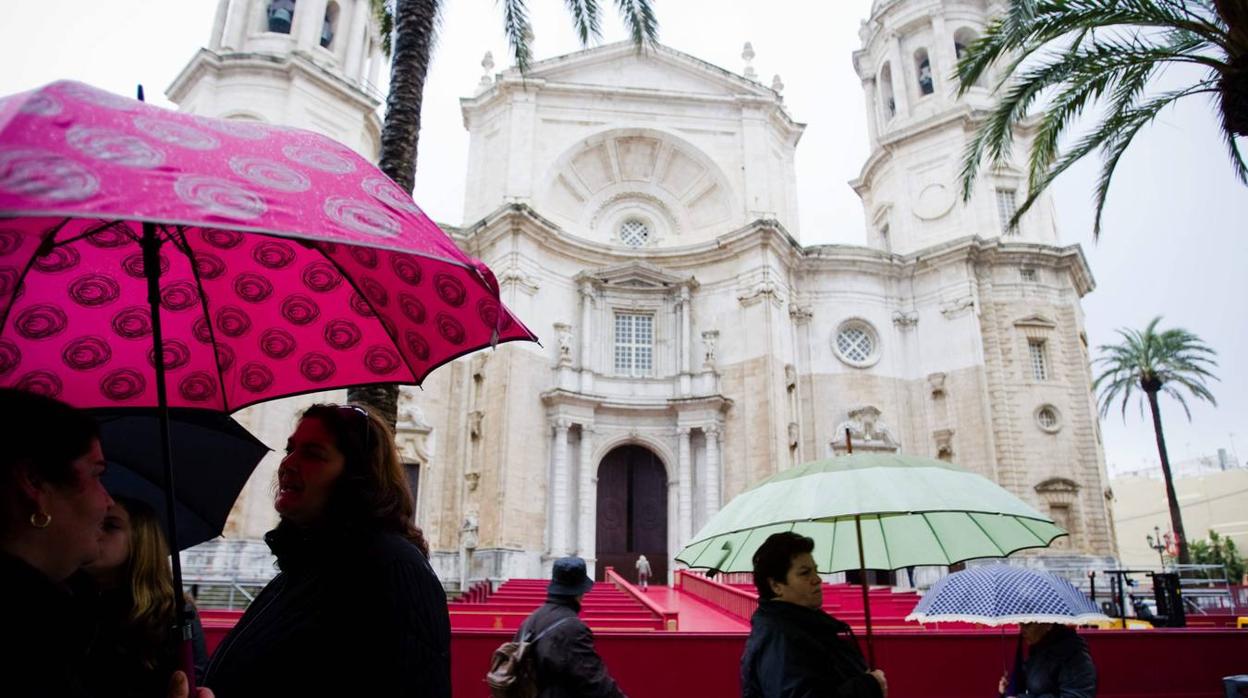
[(356, 609)]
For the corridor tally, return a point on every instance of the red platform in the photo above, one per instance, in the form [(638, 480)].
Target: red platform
[(688, 641)]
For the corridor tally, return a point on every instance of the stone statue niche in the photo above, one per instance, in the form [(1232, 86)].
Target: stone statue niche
[(869, 434)]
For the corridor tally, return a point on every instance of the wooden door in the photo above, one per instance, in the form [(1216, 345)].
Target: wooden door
[(632, 513)]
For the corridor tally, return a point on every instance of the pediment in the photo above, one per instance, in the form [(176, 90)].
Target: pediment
[(621, 66), (636, 275), (1038, 321)]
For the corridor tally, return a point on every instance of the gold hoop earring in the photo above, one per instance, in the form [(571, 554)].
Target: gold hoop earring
[(40, 523)]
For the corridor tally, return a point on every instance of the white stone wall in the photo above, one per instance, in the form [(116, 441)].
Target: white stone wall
[(746, 380)]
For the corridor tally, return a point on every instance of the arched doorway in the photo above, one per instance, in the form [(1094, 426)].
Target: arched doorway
[(632, 513)]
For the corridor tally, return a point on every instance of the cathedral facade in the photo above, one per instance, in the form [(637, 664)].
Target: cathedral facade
[(640, 213)]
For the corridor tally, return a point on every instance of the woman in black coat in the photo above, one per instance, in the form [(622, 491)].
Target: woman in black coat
[(795, 650), (356, 609), (1058, 664)]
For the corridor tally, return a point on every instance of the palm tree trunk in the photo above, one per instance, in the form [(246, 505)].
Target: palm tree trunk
[(409, 65), (1176, 517)]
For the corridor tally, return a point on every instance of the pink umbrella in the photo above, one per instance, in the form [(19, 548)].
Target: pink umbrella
[(287, 263), (152, 259)]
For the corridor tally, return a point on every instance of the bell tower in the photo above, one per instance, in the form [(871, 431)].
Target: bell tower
[(311, 64), (918, 127)]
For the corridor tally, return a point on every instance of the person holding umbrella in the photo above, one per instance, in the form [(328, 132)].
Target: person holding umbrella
[(795, 649), (53, 506), (356, 609), (1058, 664), (1043, 605)]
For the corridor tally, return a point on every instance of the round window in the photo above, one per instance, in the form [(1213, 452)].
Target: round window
[(1048, 419), (857, 344), (634, 232)]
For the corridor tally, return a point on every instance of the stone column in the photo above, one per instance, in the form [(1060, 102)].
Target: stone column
[(587, 336), (559, 490), (309, 15), (944, 63), (353, 59), (685, 489), (218, 24), (587, 497), (686, 332), (901, 76), (236, 28), (713, 470)]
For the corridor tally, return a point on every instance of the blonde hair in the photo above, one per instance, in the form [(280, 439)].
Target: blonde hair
[(152, 612)]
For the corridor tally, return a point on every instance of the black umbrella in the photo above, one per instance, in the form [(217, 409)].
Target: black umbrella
[(213, 457)]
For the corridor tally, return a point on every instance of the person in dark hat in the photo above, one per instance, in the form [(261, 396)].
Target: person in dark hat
[(567, 664)]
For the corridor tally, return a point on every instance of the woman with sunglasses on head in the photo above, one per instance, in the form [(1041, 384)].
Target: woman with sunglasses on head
[(130, 589), (356, 609)]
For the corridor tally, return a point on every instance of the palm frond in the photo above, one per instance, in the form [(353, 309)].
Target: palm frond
[(586, 19), (383, 12), (517, 29), (1083, 53), (638, 16), (1177, 359)]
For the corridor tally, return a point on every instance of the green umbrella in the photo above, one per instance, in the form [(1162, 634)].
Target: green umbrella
[(906, 510)]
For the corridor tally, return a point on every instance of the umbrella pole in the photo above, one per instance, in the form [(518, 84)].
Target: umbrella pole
[(866, 597), (151, 269)]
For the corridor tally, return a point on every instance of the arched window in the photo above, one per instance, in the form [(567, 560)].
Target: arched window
[(962, 40), (281, 14), (886, 92), (329, 26), (923, 69)]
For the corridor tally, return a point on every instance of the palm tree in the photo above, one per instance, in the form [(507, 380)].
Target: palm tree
[(408, 29), (1170, 362), (1100, 56)]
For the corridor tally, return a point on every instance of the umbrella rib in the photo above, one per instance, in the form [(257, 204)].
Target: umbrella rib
[(96, 229), (185, 247), (987, 535), (936, 537), (4, 318)]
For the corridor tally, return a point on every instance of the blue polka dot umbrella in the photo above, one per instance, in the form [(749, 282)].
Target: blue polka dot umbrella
[(1004, 595)]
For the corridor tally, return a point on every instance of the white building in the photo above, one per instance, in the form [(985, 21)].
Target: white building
[(640, 213)]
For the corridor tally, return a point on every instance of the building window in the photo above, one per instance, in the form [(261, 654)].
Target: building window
[(886, 92), (1027, 274), (857, 343), (1046, 417), (1039, 359), (281, 14), (634, 344), (1007, 206), (634, 232), (412, 470), (923, 68), (329, 25)]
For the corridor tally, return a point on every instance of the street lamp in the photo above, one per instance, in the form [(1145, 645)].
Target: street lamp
[(1158, 543)]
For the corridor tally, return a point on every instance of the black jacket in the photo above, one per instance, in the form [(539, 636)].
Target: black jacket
[(114, 662), (567, 664), (44, 633), (1059, 666), (798, 652), (353, 613)]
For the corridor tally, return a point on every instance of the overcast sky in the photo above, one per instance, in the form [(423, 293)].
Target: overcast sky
[(1176, 227)]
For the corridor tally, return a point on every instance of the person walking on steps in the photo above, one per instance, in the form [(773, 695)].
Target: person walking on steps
[(643, 572), (567, 664)]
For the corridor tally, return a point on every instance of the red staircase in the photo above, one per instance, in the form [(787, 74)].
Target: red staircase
[(605, 608)]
